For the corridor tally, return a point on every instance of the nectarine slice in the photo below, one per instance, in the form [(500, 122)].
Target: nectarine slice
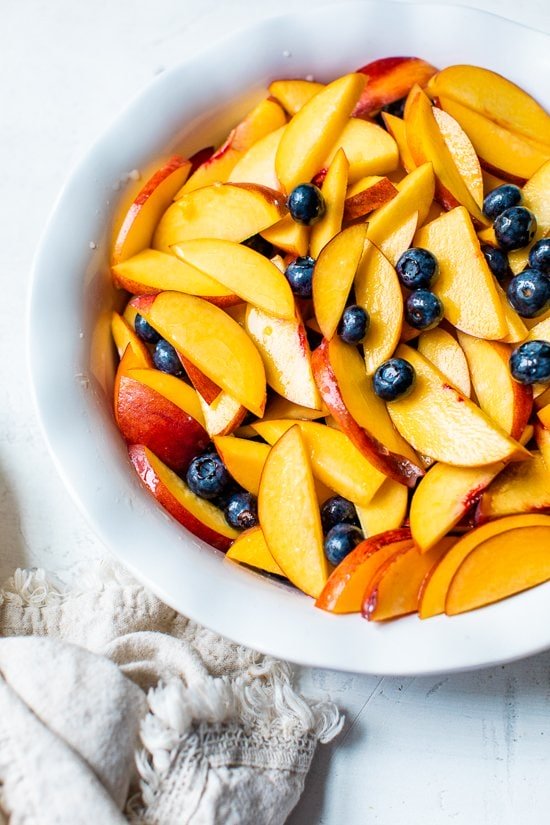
[(243, 459), (387, 509), (465, 284), (334, 193), (294, 94), (390, 79), (289, 514), (258, 164), (369, 149), (333, 276), (211, 340), (397, 129), (517, 329), (223, 415), (198, 515), (172, 388), (251, 548), (343, 592), (207, 388), (315, 130), (124, 336), (444, 351), (439, 421), (367, 194), (289, 236), (520, 488), (536, 197), (500, 567), (462, 152), (279, 407)]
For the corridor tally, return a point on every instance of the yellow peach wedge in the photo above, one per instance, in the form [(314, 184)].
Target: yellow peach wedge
[(462, 152), (444, 352), (334, 193), (520, 488), (124, 336), (251, 548), (369, 149), (243, 459), (294, 94), (289, 236), (367, 194), (258, 164), (536, 197), (223, 415), (387, 509), (396, 127)]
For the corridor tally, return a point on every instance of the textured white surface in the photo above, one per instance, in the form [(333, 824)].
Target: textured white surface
[(468, 749)]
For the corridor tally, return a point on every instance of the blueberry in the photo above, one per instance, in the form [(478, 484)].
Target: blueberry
[(530, 362), (299, 274), (501, 198), (337, 510), (354, 324), (306, 204), (417, 268), (145, 330), (394, 379), (515, 228), (423, 309), (396, 107), (340, 541), (497, 260), (207, 476), (259, 244), (166, 358), (539, 256), (241, 510), (529, 293)]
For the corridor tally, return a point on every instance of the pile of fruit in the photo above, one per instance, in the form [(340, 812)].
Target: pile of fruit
[(335, 360)]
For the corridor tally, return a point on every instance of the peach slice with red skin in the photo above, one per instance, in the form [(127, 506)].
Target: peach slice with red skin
[(334, 193), (444, 351), (289, 514), (124, 336), (199, 516), (520, 488), (223, 415), (201, 382), (344, 590), (366, 195), (294, 94), (390, 79), (436, 585), (348, 395), (244, 460), (172, 388), (138, 225), (251, 548), (386, 510)]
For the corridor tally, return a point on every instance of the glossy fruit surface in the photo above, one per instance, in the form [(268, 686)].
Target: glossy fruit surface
[(340, 541), (299, 274), (501, 198), (337, 510), (207, 476), (539, 256), (530, 362), (354, 324), (306, 204), (529, 293), (515, 228), (423, 309), (241, 510), (145, 330), (497, 260), (166, 358), (417, 268), (393, 379)]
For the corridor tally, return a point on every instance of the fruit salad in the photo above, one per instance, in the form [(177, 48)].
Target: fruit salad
[(334, 357)]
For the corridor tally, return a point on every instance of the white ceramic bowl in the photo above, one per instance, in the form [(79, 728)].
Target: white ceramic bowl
[(190, 106)]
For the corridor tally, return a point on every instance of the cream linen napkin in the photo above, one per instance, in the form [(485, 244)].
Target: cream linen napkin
[(114, 708)]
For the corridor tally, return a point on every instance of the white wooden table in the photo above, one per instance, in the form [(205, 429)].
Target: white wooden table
[(472, 749)]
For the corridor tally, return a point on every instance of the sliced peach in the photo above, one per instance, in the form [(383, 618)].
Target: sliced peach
[(131, 359), (207, 388), (334, 459), (199, 516), (139, 222), (258, 164), (387, 509), (367, 194), (427, 143), (289, 514), (436, 586), (279, 407), (544, 415), (500, 567), (490, 181), (378, 291), (505, 401), (334, 193), (289, 236), (283, 346), (223, 415), (497, 98), (439, 421), (211, 340), (522, 487), (333, 276), (343, 592), (509, 154), (536, 197), (248, 274), (397, 129), (463, 153), (390, 79), (348, 394), (444, 496), (393, 590), (517, 330), (266, 117), (369, 149), (172, 388), (243, 459), (315, 129), (230, 211), (151, 271), (251, 548), (465, 284), (124, 335), (444, 351), (294, 94)]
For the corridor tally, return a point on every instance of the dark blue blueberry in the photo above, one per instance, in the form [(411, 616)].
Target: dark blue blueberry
[(306, 204), (497, 260), (530, 363), (539, 256), (259, 244), (145, 330), (529, 293), (394, 379), (417, 268), (337, 510), (515, 228), (354, 324), (340, 541), (241, 510), (299, 274), (501, 198), (207, 476), (423, 309), (166, 358)]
